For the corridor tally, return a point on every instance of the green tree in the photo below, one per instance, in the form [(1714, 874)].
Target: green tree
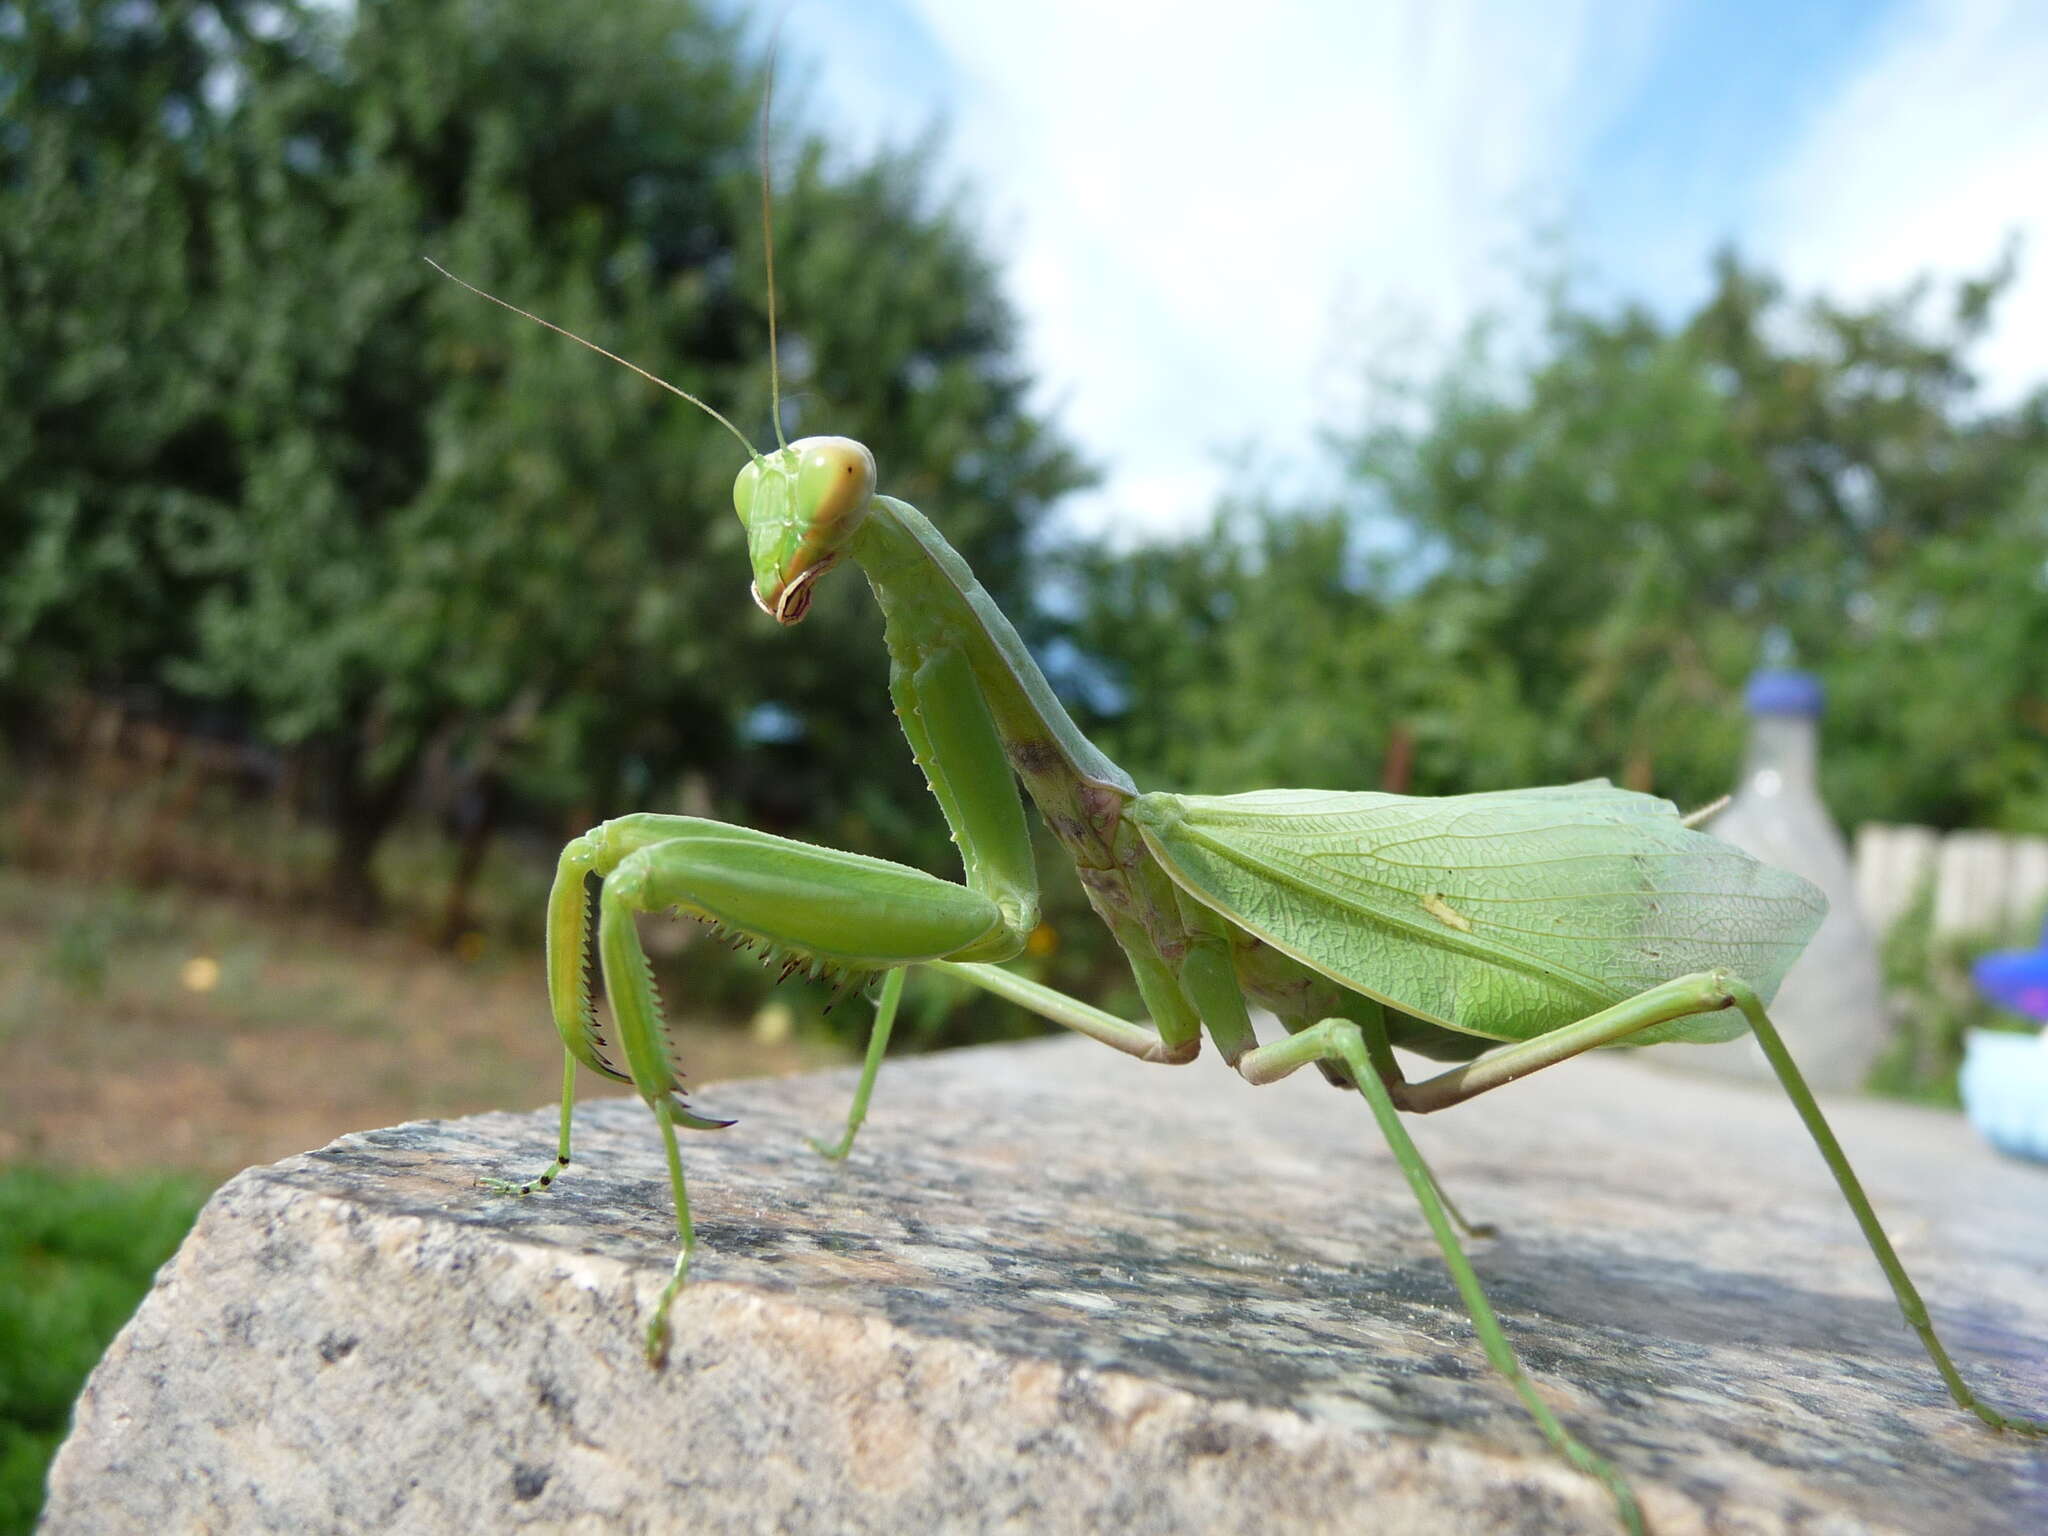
[(1264, 652), (112, 450), (427, 526), (1597, 536)]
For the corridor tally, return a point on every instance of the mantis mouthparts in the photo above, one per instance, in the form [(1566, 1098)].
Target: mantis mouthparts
[(794, 600)]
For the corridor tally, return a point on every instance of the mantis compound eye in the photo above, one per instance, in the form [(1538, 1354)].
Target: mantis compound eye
[(835, 485), (801, 506)]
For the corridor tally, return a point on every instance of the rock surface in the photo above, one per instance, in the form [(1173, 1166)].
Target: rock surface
[(1055, 1290)]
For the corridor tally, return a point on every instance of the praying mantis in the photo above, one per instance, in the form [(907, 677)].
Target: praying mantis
[(1505, 932)]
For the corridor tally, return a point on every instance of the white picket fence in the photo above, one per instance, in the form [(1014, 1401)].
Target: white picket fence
[(1984, 882)]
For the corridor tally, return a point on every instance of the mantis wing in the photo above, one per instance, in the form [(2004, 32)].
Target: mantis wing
[(1505, 914)]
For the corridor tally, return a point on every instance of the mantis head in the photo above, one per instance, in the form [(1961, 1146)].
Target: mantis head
[(800, 506)]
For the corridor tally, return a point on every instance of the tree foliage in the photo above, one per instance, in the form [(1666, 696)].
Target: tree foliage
[(257, 459), (1585, 548), (256, 452)]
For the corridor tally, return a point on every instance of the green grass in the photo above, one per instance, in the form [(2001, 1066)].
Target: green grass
[(76, 1255)]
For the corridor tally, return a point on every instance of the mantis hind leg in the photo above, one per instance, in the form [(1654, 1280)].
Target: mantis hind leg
[(1744, 997), (1677, 999), (1345, 1042)]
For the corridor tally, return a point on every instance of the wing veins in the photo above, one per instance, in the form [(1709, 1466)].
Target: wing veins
[(1432, 932)]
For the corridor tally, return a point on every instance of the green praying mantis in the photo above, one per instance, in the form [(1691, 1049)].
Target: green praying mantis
[(1505, 932)]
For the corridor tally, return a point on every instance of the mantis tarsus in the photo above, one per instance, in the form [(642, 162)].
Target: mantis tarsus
[(1506, 931)]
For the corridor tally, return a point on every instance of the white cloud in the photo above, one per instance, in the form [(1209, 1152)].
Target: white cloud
[(1203, 214), (1933, 154), (1185, 198)]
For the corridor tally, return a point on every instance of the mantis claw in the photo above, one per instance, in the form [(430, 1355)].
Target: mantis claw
[(524, 1187), (657, 1326), (690, 1120)]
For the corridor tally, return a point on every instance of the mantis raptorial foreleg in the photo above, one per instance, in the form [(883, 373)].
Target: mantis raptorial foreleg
[(815, 909), (818, 910)]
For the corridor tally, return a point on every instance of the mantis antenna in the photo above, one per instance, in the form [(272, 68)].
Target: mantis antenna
[(752, 451), (1706, 812), (768, 236)]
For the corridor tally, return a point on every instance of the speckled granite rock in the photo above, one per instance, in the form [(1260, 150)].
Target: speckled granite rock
[(1056, 1291)]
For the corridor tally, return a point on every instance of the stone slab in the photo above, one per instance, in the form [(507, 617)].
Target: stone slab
[(1055, 1290)]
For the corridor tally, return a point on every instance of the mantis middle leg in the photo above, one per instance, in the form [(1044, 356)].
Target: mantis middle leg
[(1070, 1012)]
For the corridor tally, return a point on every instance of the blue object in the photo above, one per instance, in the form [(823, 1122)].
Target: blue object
[(2005, 1076), (2016, 979), (2005, 1090), (1784, 693)]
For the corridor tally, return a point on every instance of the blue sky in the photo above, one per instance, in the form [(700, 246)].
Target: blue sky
[(1214, 219)]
